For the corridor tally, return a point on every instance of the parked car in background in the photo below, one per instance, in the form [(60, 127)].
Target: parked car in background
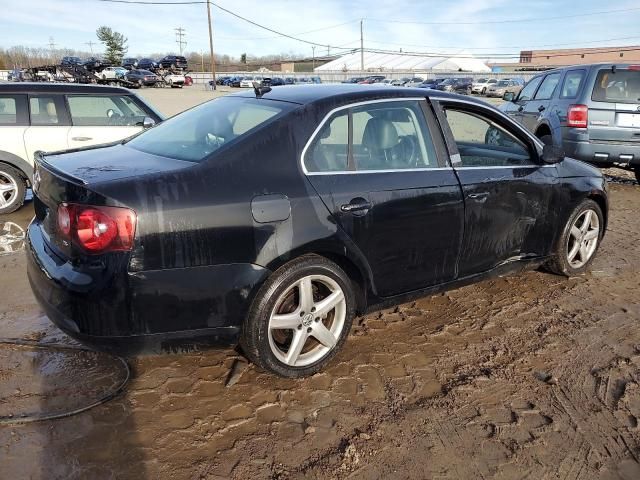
[(399, 82), (455, 85), (316, 80), (129, 63), (147, 64), (247, 82), (235, 81), (241, 212), (56, 116), (480, 86), (94, 64), (174, 61), (430, 83), (372, 79), (143, 78), (290, 81), (591, 111), (174, 80), (222, 80), (111, 73), (71, 61), (414, 82), (277, 81), (353, 80), (501, 87)]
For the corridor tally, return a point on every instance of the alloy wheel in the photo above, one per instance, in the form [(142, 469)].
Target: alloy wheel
[(307, 320), (8, 189), (583, 238)]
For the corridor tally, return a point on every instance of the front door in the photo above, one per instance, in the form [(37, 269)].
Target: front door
[(507, 193), (376, 168), (540, 103)]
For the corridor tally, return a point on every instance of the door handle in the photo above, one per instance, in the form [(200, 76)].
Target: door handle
[(81, 139), (356, 207), (541, 108), (520, 108), (478, 196)]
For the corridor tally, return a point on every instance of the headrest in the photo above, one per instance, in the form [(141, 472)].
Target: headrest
[(51, 109), (380, 134)]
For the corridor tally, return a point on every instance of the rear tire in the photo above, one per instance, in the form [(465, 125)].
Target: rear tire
[(637, 172), (579, 241), (13, 189), (291, 298)]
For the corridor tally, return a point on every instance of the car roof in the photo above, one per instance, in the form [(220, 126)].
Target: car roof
[(46, 87), (345, 92)]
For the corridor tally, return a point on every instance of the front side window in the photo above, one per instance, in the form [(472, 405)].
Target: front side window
[(8, 111), (384, 136), (548, 86), (197, 133), (483, 143), (43, 111), (529, 89), (102, 110), (571, 85)]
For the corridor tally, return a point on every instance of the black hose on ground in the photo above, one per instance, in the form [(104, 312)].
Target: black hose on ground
[(13, 420)]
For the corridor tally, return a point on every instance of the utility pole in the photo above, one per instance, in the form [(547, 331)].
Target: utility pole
[(361, 48), (52, 45), (213, 62), (91, 44), (313, 60), (179, 34)]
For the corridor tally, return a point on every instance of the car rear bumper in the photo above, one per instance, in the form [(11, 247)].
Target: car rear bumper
[(142, 311), (603, 154)]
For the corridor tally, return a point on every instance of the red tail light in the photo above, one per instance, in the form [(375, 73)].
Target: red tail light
[(577, 116), (634, 68), (97, 229)]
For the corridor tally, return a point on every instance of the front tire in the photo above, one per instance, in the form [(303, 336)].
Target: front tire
[(12, 189), (300, 317), (637, 172), (579, 241)]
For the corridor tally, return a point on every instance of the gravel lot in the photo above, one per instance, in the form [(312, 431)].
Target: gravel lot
[(529, 376)]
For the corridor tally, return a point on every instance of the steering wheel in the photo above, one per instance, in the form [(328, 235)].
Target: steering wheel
[(408, 150), (114, 117)]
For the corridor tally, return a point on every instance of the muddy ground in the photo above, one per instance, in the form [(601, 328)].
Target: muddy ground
[(529, 376)]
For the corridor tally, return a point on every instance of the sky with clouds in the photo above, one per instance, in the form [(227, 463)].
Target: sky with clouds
[(150, 28)]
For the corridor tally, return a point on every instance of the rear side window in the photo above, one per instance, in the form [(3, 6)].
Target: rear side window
[(548, 86), (572, 82), (620, 87), (8, 111), (197, 133), (44, 111), (102, 111)]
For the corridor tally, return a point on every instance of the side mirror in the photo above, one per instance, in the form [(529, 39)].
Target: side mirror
[(552, 154), (148, 122), (509, 96)]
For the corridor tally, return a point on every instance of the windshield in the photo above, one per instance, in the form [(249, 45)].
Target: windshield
[(502, 83), (620, 87), (197, 133)]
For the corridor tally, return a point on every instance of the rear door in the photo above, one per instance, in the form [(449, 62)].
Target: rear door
[(379, 170), (507, 193), (98, 119), (614, 110), (541, 101), (49, 124)]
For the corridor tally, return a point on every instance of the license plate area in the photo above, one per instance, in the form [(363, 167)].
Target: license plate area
[(628, 120)]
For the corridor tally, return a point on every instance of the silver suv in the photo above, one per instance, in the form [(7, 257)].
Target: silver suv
[(592, 111)]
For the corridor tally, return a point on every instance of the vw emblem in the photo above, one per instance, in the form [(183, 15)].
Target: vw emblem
[(638, 108)]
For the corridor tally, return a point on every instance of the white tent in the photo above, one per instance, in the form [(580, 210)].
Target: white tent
[(385, 62)]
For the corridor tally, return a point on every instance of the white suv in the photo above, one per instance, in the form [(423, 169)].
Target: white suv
[(50, 117)]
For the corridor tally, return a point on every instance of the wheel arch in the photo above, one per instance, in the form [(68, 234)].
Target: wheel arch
[(600, 199), (357, 272), (24, 167)]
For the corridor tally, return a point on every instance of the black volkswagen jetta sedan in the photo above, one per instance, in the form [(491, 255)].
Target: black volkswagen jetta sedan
[(272, 218)]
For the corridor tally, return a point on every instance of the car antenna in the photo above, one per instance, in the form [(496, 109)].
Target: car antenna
[(260, 89)]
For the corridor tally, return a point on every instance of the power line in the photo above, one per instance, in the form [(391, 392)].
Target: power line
[(180, 33), (513, 20)]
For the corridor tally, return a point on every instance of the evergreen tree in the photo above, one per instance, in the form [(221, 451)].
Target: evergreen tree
[(115, 44)]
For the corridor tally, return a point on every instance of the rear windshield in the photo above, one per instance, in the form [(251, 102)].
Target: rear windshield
[(197, 133), (620, 87)]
